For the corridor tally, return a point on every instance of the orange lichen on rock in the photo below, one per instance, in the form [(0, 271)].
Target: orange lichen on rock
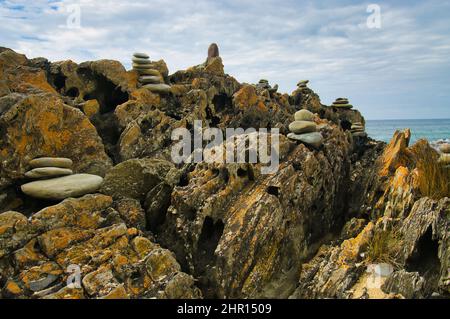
[(396, 153), (245, 97)]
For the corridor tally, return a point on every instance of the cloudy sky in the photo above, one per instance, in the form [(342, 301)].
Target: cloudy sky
[(400, 70)]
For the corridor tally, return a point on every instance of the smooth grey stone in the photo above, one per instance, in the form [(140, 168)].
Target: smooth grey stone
[(299, 127), (263, 81), (142, 66), (150, 79), (51, 162), (63, 187), (304, 115), (48, 172), (141, 55), (158, 88), (314, 139), (342, 99), (149, 72), (141, 61)]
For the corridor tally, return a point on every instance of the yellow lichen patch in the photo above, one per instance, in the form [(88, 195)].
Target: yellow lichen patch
[(351, 248), (35, 79), (245, 97), (12, 288), (400, 178), (396, 153), (91, 107)]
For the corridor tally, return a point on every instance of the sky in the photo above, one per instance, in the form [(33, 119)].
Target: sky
[(397, 66)]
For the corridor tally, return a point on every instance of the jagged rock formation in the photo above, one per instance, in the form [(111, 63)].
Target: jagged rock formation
[(159, 229)]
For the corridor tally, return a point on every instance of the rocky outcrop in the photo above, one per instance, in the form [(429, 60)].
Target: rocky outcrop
[(343, 217)]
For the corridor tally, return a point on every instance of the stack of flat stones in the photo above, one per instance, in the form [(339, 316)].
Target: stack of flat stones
[(304, 129), (263, 84), (445, 156), (358, 130), (54, 180), (342, 103), (303, 84), (149, 77)]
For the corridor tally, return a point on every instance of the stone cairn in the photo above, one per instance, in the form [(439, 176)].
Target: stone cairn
[(304, 129), (149, 77), (263, 84), (54, 180), (445, 156), (303, 84), (342, 103), (358, 130)]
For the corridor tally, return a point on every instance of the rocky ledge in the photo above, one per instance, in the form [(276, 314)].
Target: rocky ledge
[(343, 217)]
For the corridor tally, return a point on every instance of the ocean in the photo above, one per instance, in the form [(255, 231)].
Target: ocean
[(432, 130)]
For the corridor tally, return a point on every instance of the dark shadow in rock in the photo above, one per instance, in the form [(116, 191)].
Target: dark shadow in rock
[(204, 257), (425, 261), (222, 103), (108, 95), (346, 125)]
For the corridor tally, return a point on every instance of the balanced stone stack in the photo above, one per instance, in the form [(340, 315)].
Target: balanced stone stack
[(54, 180), (263, 84), (445, 156), (149, 77), (302, 84), (358, 130), (342, 103), (304, 129)]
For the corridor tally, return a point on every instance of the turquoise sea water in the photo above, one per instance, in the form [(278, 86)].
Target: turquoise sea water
[(432, 130)]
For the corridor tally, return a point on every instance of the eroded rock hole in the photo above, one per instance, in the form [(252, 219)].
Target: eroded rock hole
[(346, 125), (73, 92), (425, 258), (222, 102), (108, 95), (273, 190), (59, 81), (205, 258)]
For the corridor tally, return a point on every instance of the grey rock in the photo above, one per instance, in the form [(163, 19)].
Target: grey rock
[(314, 139), (43, 283), (63, 187), (151, 79), (42, 172), (138, 67), (141, 55), (409, 284), (51, 162), (299, 127), (141, 61), (304, 115), (158, 88), (152, 72)]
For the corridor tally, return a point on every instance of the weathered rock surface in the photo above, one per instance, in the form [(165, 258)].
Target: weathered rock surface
[(51, 162), (135, 178), (115, 261)]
